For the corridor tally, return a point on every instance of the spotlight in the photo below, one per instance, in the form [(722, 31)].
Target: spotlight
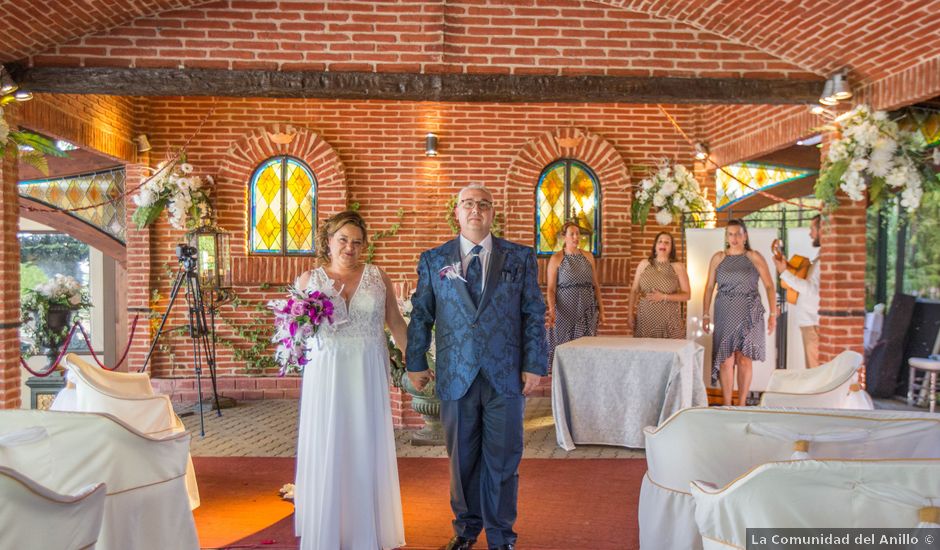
[(7, 85), (827, 98), (143, 144), (430, 145), (701, 151), (840, 87)]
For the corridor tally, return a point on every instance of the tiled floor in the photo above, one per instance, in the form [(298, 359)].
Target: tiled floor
[(269, 428)]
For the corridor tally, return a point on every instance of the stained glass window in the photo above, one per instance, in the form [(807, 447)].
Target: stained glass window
[(283, 207), (96, 196), (756, 176), (567, 190)]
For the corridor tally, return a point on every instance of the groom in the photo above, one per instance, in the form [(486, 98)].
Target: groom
[(482, 296)]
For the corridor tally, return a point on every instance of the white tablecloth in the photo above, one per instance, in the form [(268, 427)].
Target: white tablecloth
[(606, 389)]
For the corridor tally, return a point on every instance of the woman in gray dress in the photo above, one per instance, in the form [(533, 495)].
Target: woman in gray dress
[(739, 314), (574, 293)]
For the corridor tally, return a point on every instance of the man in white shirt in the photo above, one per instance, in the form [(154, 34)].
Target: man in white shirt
[(806, 309)]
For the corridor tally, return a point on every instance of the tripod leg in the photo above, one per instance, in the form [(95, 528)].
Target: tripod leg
[(198, 318), (202, 417), (173, 293)]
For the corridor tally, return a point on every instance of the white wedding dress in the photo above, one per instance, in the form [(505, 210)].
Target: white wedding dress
[(346, 494)]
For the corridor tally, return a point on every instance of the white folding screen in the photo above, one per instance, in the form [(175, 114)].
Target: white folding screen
[(701, 245)]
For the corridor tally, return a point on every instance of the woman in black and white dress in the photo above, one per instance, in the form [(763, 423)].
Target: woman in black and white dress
[(574, 293), (739, 314)]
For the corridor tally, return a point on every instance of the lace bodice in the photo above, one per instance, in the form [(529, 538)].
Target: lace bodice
[(365, 312)]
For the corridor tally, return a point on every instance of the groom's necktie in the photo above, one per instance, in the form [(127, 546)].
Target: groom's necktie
[(475, 275)]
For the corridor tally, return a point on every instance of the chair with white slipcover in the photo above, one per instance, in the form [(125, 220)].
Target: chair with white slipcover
[(718, 444), (126, 395), (819, 494), (146, 506), (833, 385)]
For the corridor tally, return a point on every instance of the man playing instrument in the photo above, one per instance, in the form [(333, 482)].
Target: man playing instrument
[(806, 308)]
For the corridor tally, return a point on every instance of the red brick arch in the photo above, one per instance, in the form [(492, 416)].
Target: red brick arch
[(612, 175), (574, 143), (240, 162)]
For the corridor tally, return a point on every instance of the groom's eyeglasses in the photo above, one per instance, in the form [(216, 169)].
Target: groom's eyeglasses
[(482, 206)]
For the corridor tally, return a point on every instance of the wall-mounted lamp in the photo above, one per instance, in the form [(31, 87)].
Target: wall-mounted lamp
[(143, 144), (701, 151), (430, 144), (835, 89)]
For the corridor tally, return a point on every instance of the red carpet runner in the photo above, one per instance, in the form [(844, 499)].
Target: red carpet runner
[(563, 504)]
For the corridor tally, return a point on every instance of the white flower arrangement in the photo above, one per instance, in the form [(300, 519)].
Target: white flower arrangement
[(174, 187), (60, 292), (872, 154), (674, 192)]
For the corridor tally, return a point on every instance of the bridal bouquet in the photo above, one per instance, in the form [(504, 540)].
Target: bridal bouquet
[(296, 323), (673, 191), (174, 187), (872, 154)]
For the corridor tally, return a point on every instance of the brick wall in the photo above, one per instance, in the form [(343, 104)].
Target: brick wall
[(97, 122), (10, 271), (520, 36), (379, 147)]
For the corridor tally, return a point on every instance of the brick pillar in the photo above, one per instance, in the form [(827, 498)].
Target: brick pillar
[(10, 274), (137, 276), (842, 280)]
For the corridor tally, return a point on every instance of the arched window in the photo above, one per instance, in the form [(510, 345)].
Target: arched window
[(567, 190), (283, 207)]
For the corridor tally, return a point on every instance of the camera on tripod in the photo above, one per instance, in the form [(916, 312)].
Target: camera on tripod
[(187, 256)]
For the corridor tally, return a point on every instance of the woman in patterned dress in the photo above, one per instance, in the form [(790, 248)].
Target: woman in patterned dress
[(662, 284), (574, 293), (739, 314)]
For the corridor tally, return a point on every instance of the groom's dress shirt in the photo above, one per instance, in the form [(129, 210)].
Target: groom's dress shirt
[(466, 245)]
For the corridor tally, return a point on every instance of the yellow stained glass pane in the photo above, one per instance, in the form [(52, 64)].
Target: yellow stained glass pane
[(551, 207), (583, 201), (299, 208), (753, 176), (266, 208)]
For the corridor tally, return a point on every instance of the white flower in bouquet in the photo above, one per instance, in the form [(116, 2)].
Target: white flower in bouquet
[(873, 155), (837, 151), (647, 184), (858, 164), (659, 200), (663, 217), (174, 187), (911, 195), (669, 187)]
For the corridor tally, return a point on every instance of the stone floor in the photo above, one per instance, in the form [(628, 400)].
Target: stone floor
[(269, 428)]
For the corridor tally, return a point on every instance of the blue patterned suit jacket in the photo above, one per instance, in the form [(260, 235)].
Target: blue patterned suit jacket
[(502, 337)]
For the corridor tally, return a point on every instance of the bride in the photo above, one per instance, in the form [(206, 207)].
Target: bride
[(346, 494)]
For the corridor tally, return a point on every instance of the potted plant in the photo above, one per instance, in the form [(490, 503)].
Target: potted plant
[(46, 314), (424, 402)]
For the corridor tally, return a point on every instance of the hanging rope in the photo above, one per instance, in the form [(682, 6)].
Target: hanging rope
[(709, 160), (68, 340)]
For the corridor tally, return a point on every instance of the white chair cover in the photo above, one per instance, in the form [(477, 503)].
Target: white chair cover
[(718, 444), (833, 385), (32, 516), (126, 395), (817, 493), (146, 508)]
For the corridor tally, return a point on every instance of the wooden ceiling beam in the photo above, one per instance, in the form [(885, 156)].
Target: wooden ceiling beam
[(448, 87)]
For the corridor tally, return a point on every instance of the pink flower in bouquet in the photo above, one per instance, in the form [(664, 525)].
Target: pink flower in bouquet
[(296, 322)]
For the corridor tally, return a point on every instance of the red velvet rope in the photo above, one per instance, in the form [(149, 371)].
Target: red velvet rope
[(68, 340)]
